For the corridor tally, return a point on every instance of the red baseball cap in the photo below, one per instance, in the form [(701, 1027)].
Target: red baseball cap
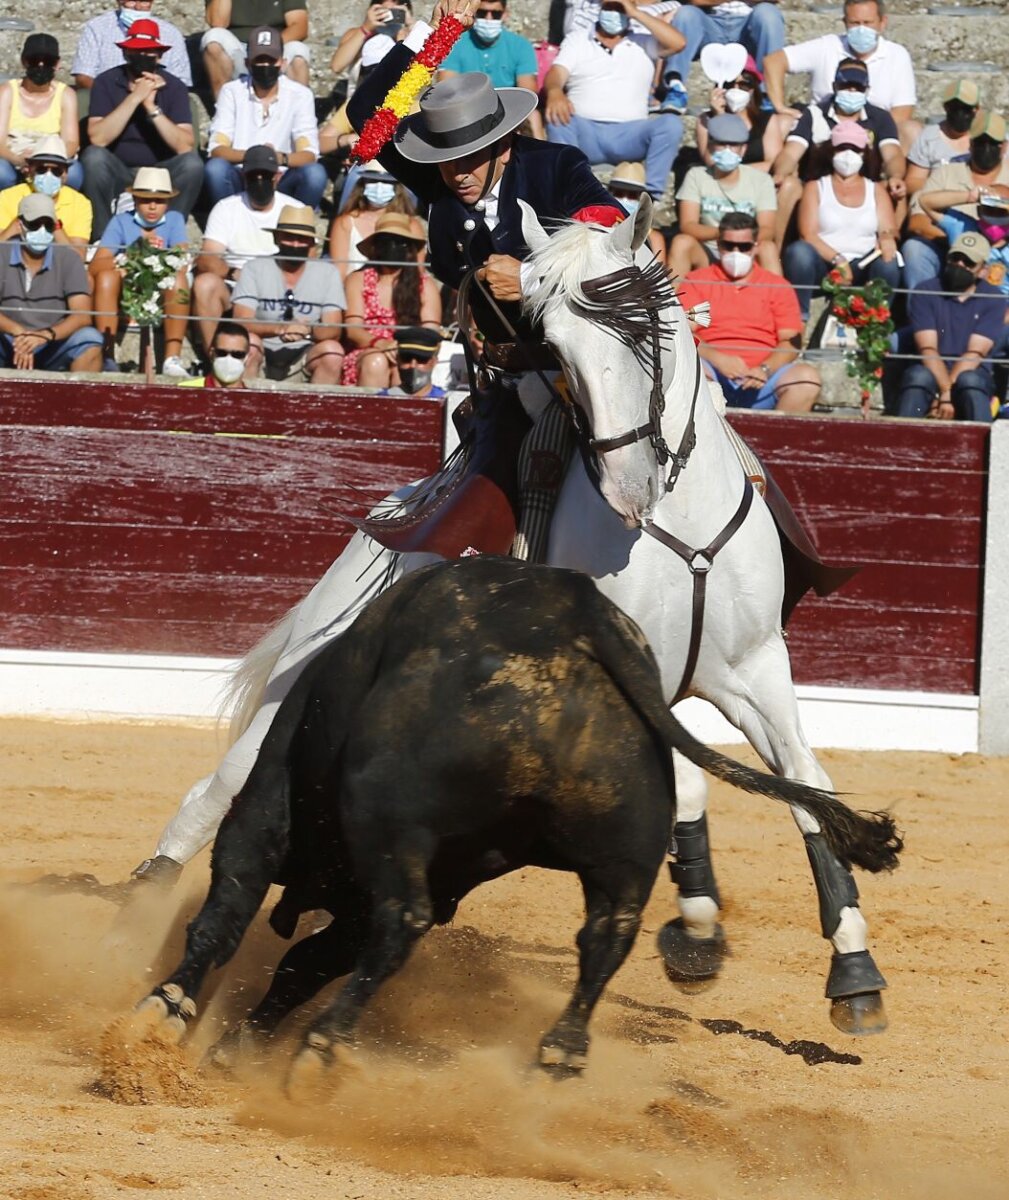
[(144, 35)]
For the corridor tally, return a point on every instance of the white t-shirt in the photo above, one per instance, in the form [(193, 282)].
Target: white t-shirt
[(606, 85), (247, 232), (891, 73), (289, 123), (583, 14)]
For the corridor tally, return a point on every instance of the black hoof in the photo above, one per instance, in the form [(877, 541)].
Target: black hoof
[(564, 1054), (859, 1015), (691, 962)]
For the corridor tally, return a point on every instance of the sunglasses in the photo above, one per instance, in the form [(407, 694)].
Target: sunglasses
[(41, 61), (409, 356), (747, 85), (48, 169), (220, 352), (289, 303), (746, 247), (490, 14), (851, 87), (961, 260), (41, 223)]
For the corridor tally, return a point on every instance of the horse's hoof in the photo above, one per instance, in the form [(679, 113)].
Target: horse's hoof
[(859, 1015), (691, 963), (317, 1066), (562, 1063), (169, 1009)]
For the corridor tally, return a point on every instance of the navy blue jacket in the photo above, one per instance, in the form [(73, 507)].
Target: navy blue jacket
[(556, 181)]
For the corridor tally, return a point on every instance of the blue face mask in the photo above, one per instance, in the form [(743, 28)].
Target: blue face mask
[(128, 15), (38, 240), (850, 102), (724, 159), (630, 207), (487, 30), (48, 184), (379, 195), (145, 224), (612, 22), (862, 39)]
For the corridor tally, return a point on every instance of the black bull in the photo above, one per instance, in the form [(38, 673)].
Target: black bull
[(480, 716)]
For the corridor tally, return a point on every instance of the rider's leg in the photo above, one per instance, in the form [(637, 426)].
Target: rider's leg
[(543, 463)]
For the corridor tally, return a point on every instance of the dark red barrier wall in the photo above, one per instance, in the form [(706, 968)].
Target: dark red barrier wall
[(187, 520), (184, 520), (908, 499)]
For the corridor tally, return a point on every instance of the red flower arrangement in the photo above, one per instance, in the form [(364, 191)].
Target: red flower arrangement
[(867, 311), (381, 125)]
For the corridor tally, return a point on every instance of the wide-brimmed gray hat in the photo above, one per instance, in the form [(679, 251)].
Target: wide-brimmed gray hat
[(461, 115)]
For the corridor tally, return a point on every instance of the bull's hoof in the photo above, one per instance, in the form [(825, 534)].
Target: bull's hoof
[(564, 1058), (859, 1015), (169, 1009), (691, 963), (319, 1064), (238, 1045)]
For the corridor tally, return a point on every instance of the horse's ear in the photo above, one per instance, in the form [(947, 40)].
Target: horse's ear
[(630, 235), (535, 235)]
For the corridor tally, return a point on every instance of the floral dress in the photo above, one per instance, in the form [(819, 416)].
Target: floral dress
[(379, 320)]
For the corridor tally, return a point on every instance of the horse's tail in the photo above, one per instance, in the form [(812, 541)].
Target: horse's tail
[(866, 839), (243, 693)]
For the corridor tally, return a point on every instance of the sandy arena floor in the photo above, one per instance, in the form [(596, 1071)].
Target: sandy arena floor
[(677, 1101)]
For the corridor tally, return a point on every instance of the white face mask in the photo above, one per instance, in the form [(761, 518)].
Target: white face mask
[(736, 263), (228, 369), (847, 162), (736, 99)]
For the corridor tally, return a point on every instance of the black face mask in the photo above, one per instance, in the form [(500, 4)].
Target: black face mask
[(40, 75), (264, 75), (260, 190), (959, 118), (414, 379), (292, 251), (139, 64), (985, 155), (956, 278)]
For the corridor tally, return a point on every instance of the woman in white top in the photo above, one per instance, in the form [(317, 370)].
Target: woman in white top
[(844, 219), (375, 192)]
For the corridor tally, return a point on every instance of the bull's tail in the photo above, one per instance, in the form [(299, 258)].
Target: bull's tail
[(866, 839), (244, 691)]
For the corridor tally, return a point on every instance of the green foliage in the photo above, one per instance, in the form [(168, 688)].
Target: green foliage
[(867, 311)]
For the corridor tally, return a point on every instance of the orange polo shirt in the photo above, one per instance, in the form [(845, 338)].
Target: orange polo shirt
[(746, 319)]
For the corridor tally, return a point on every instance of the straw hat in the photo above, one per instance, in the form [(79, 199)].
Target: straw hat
[(393, 225), (153, 183), (628, 175), (297, 218)]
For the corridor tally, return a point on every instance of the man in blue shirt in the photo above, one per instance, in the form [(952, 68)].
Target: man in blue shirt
[(956, 320), (508, 58)]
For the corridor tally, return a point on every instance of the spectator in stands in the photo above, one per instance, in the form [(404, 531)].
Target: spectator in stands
[(416, 357), (956, 185), (955, 335), (139, 117), (35, 107), (626, 185), (383, 295), (949, 141), (757, 24), (891, 72), (292, 306), (807, 152), (238, 228), (266, 107), (752, 344), (844, 219), (708, 193), (44, 301), (597, 93), (374, 193), (47, 173), (98, 46), (152, 221), (384, 24), (225, 46), (508, 58), (228, 357)]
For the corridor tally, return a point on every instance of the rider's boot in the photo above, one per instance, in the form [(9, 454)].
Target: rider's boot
[(161, 871), (543, 463)]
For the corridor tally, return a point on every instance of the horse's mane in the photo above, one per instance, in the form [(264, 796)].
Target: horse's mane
[(626, 301)]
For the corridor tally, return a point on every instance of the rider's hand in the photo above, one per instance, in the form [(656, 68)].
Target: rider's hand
[(502, 275), (462, 10)]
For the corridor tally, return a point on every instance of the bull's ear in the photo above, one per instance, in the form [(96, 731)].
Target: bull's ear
[(629, 235), (536, 237)]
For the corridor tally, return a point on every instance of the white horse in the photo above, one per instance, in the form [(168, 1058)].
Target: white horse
[(613, 345)]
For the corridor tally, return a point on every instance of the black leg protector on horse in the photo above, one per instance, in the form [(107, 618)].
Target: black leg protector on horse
[(690, 868), (852, 974)]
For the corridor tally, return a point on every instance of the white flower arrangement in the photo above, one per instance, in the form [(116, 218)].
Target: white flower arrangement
[(148, 274)]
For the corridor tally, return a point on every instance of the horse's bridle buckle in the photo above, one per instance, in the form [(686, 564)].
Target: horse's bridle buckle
[(700, 562)]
